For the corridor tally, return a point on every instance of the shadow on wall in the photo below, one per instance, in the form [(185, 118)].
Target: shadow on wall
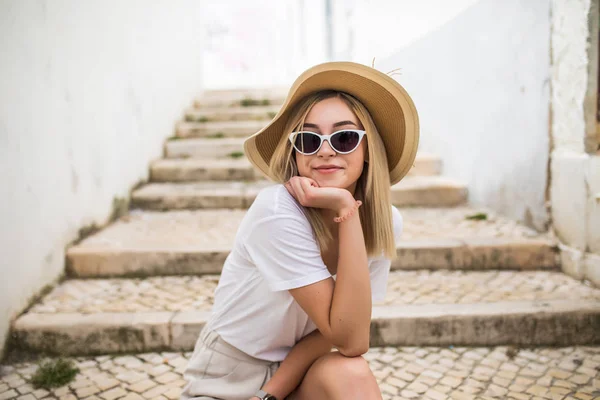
[(481, 84)]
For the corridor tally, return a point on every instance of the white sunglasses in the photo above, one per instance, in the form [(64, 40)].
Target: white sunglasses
[(343, 142)]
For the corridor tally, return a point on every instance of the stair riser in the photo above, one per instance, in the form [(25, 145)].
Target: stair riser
[(200, 130), (232, 114), (513, 327), (193, 174), (192, 202), (174, 149), (176, 174), (235, 100), (443, 197), (411, 255), (430, 197), (78, 334)]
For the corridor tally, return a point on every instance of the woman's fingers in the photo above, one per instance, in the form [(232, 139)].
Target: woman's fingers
[(307, 186), (303, 190), (296, 182), (290, 189)]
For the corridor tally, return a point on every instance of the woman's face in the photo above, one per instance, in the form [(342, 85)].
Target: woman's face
[(328, 116)]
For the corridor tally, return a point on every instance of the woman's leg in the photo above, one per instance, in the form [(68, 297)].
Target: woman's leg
[(334, 376)]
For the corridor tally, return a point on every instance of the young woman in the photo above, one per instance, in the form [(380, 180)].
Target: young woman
[(313, 250)]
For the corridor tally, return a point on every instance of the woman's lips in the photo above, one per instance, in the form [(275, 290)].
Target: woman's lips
[(327, 170)]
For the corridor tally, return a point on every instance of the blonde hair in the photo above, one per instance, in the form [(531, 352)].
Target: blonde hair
[(372, 187)]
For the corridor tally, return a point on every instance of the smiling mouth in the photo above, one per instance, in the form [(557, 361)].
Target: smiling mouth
[(328, 169)]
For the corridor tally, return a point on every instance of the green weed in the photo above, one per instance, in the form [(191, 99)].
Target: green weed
[(54, 373), (477, 217), (236, 154)]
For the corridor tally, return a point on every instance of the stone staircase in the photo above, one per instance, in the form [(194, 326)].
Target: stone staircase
[(146, 282)]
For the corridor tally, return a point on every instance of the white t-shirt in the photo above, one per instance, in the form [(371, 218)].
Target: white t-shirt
[(274, 251)]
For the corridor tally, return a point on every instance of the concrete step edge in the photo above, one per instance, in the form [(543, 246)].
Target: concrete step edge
[(223, 114), (243, 128), (240, 99), (548, 323), (193, 169), (425, 191), (447, 253)]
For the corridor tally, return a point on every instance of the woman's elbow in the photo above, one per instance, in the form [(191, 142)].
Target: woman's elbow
[(353, 351), (356, 348)]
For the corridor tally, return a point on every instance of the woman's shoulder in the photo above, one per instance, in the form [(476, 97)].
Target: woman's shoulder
[(275, 201)]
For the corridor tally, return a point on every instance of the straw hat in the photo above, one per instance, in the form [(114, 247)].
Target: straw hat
[(391, 108)]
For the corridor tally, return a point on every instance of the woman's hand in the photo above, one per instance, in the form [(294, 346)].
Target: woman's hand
[(308, 193)]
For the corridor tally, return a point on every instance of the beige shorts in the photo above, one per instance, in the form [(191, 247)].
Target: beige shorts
[(218, 370)]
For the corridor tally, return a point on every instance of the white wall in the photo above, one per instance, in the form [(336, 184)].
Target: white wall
[(262, 43), (88, 92), (481, 86), (269, 43), (575, 183), (365, 29)]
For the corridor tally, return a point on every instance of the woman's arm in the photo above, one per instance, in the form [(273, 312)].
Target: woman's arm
[(292, 370), (342, 311)]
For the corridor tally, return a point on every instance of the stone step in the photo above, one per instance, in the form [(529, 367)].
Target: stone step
[(241, 97), (227, 169), (214, 114), (209, 149), (199, 169), (421, 308), (405, 372), (425, 191), (237, 129), (198, 242), (205, 148)]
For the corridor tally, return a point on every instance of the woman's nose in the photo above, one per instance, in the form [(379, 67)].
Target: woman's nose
[(325, 149)]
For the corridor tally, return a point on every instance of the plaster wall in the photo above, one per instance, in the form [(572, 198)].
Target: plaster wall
[(367, 29), (268, 43), (262, 43), (481, 84), (575, 165), (88, 92)]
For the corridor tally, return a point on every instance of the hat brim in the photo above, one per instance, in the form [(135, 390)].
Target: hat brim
[(390, 106)]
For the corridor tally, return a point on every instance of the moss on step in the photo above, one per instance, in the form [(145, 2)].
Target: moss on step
[(236, 154), (54, 373), (192, 118), (477, 217), (120, 207), (87, 231), (218, 135), (249, 102)]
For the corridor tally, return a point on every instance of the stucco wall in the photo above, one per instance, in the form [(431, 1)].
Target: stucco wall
[(575, 165), (481, 86), (262, 42), (88, 92), (269, 43), (365, 29)]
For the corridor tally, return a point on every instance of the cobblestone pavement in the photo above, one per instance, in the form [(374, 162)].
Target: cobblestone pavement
[(402, 373), (178, 293), (210, 229)]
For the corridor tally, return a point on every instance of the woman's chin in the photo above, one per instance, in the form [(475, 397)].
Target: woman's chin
[(333, 182)]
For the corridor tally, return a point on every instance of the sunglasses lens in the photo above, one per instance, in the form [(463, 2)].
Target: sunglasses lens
[(345, 141), (306, 142)]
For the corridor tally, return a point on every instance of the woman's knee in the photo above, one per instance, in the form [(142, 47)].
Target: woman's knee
[(348, 368), (334, 376)]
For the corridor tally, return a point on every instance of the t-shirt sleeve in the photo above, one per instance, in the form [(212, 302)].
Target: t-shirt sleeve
[(379, 272), (380, 267), (286, 253)]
